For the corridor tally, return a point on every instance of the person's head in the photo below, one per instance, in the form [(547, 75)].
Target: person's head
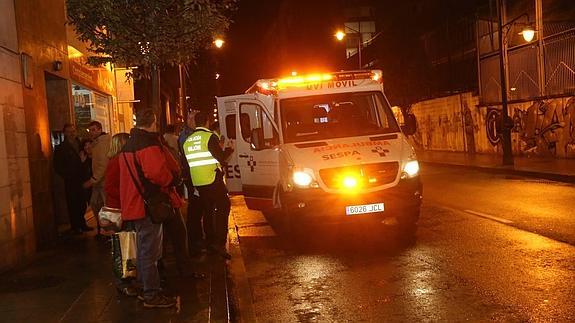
[(94, 129), (171, 129), (215, 127), (118, 142), (86, 146), (190, 120), (146, 120), (69, 131), (201, 118)]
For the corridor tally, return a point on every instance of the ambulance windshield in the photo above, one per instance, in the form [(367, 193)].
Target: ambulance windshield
[(338, 115)]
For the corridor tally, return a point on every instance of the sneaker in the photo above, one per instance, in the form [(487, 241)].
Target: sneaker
[(160, 301), (129, 291)]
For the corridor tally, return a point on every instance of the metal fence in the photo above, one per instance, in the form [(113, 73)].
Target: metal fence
[(553, 76)]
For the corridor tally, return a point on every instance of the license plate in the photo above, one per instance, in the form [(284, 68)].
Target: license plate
[(363, 209)]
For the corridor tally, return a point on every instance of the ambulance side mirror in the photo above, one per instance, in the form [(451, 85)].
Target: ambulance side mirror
[(410, 126), (258, 139)]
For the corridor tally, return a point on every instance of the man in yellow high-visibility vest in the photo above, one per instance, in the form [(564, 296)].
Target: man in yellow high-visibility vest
[(205, 157)]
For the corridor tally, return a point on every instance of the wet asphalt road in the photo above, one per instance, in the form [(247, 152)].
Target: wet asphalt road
[(488, 249)]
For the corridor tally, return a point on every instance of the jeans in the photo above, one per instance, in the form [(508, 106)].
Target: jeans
[(149, 236), (217, 203)]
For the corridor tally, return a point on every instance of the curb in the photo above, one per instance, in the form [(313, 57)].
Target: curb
[(241, 297), (570, 179)]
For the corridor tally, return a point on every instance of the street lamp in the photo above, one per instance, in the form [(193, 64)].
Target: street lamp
[(528, 33), (219, 42), (340, 35)]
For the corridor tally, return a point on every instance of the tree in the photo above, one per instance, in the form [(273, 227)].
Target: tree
[(148, 33)]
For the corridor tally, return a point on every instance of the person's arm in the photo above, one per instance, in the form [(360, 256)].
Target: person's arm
[(100, 160), (216, 150)]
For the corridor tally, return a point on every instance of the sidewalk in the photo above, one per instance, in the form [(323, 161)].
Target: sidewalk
[(561, 170), (73, 282)]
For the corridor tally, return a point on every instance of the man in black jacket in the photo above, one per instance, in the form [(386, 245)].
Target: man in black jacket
[(68, 165)]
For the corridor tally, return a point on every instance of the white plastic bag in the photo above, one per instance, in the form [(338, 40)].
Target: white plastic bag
[(128, 251), (110, 219)]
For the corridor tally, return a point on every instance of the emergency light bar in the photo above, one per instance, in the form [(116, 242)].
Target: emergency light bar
[(271, 86)]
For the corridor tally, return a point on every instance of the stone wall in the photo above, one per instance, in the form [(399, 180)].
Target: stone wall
[(17, 237), (42, 35), (457, 123)]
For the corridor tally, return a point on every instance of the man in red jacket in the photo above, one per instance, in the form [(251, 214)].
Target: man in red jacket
[(159, 169)]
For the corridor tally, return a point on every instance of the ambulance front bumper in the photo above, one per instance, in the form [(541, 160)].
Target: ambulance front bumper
[(402, 199)]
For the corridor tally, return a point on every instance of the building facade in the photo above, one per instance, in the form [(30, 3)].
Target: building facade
[(44, 83)]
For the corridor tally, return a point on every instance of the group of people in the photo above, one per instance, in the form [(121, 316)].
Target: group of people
[(82, 166), (139, 165)]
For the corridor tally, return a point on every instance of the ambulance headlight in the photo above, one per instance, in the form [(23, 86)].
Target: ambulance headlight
[(410, 169), (301, 178)]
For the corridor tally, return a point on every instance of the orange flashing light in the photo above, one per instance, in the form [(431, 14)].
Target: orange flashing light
[(269, 86)]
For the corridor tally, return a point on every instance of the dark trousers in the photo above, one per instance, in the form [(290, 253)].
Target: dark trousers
[(200, 226), (76, 203), (217, 203), (175, 232)]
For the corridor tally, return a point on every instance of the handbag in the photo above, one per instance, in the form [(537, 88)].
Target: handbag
[(157, 204)]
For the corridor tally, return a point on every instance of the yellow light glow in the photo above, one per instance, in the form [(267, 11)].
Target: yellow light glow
[(219, 42), (349, 182), (74, 53), (340, 35), (528, 34), (303, 80), (293, 73)]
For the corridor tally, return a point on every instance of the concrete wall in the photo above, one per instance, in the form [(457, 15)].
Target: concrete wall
[(457, 123), (17, 237)]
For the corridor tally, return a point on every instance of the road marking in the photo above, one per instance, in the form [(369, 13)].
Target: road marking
[(490, 217)]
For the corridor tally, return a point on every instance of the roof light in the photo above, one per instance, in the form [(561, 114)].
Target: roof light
[(377, 76), (268, 86)]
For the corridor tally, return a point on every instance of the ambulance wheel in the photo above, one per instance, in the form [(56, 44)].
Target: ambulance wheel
[(407, 226), (288, 216)]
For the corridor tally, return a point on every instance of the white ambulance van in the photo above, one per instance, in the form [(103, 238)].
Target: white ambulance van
[(322, 146)]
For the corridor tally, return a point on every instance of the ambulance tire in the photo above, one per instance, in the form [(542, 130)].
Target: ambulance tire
[(288, 217), (407, 226)]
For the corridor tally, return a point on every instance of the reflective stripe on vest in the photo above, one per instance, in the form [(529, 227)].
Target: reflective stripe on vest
[(202, 164)]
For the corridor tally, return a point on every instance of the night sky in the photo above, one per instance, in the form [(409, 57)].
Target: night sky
[(272, 38)]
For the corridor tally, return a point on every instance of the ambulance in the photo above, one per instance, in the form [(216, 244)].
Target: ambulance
[(322, 146)]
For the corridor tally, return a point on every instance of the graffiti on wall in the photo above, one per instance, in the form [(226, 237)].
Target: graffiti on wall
[(545, 127)]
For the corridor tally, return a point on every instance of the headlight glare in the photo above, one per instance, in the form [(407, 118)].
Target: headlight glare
[(302, 178), (411, 168)]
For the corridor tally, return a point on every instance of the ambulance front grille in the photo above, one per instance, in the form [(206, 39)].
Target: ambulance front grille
[(368, 175)]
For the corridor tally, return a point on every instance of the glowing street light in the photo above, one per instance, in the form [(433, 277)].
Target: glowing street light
[(219, 42), (528, 33), (339, 35)]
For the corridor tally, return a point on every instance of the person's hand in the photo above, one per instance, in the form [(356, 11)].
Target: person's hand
[(230, 145), (87, 184)]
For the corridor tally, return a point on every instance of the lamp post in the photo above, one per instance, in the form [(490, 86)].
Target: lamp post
[(528, 34), (340, 35)]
